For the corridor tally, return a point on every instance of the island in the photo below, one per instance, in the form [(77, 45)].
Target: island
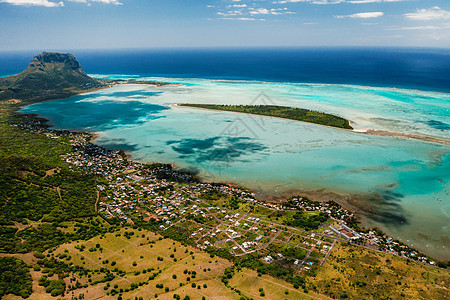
[(284, 112)]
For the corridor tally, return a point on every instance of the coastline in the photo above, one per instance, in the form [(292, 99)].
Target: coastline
[(350, 202), (353, 203), (320, 195), (402, 135), (368, 131)]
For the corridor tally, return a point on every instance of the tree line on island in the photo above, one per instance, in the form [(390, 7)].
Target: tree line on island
[(291, 113)]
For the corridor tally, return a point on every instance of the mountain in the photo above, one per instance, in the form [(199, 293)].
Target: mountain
[(48, 76)]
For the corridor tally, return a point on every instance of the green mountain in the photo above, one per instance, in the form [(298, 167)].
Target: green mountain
[(49, 76)]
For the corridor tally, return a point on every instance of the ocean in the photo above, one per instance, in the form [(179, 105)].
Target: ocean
[(405, 90), (425, 69)]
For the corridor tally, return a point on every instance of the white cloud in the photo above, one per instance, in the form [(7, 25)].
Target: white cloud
[(426, 27), (245, 11), (238, 5), (418, 28), (53, 3), (45, 3), (230, 13), (337, 1), (259, 11), (114, 2), (311, 1), (372, 1), (242, 19), (273, 11), (434, 13), (364, 15)]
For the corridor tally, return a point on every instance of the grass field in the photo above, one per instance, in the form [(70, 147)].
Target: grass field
[(173, 263), (144, 250), (358, 273), (248, 282), (135, 255)]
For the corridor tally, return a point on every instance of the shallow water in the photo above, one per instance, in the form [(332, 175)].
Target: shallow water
[(266, 154)]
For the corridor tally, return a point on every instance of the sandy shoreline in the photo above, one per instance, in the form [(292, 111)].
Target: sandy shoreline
[(369, 131), (413, 136)]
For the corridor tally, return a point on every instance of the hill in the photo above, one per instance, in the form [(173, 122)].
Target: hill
[(48, 76)]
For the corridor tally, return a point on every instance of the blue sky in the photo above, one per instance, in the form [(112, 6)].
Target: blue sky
[(87, 24)]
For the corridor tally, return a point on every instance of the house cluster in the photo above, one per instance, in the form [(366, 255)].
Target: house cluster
[(373, 238), (345, 232), (160, 192)]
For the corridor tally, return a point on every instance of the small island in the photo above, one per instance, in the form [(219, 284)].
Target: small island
[(291, 113)]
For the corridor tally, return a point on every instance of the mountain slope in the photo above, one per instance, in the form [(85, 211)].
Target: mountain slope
[(48, 76)]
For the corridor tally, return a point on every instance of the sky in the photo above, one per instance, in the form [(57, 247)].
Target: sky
[(101, 24)]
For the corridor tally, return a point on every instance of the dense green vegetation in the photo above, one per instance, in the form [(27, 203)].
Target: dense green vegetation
[(291, 113), (221, 199), (38, 186), (45, 236), (302, 220), (15, 277)]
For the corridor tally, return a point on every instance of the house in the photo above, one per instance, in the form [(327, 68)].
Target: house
[(345, 232), (268, 259)]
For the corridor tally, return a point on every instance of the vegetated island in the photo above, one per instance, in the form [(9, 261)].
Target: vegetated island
[(315, 117), (284, 112)]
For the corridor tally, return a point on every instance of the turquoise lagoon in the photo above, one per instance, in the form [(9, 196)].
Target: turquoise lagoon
[(405, 181)]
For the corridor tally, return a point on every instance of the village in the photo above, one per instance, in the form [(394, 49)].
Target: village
[(181, 205)]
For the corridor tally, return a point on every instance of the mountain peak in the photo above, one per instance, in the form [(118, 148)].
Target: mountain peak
[(47, 60), (49, 75)]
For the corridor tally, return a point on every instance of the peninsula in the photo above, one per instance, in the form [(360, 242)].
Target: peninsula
[(284, 112), (53, 75)]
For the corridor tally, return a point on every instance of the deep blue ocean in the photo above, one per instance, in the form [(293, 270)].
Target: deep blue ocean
[(425, 69)]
